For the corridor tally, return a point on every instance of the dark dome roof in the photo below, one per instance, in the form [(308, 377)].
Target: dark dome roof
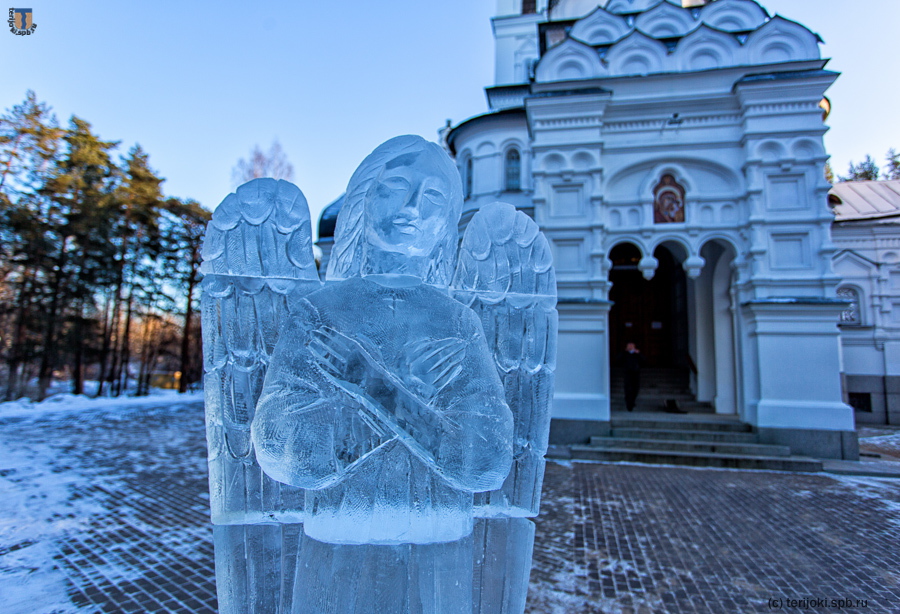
[(328, 219)]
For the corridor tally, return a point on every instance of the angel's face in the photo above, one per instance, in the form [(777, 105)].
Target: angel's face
[(407, 208)]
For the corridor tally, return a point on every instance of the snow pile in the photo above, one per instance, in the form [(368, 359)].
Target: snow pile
[(65, 402), (883, 444)]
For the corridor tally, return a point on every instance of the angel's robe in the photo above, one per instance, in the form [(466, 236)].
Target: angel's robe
[(411, 481)]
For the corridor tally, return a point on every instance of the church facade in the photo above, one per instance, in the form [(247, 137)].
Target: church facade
[(673, 155)]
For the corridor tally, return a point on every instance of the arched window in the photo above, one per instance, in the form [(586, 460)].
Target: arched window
[(851, 315), (513, 170), (468, 178)]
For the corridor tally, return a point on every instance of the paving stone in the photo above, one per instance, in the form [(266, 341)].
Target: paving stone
[(679, 540), (611, 537)]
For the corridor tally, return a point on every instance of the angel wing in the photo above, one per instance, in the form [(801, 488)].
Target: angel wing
[(505, 274), (257, 261)]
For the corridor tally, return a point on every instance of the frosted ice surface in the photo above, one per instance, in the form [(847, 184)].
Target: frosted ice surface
[(505, 275), (383, 398), (257, 261), (385, 410), (502, 565), (434, 578), (392, 417)]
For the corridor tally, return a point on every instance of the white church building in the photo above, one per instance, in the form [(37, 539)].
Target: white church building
[(673, 156)]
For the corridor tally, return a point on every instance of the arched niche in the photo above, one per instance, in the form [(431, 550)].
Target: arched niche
[(707, 48), (770, 150), (468, 176), (781, 40), (712, 344), (734, 15), (665, 20), (600, 28), (634, 6), (553, 162), (485, 148), (583, 160), (637, 54), (572, 9), (853, 314), (571, 60), (701, 179), (806, 149)]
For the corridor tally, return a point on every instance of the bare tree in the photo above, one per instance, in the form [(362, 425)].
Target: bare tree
[(273, 163)]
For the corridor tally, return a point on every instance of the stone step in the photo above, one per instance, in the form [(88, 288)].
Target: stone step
[(655, 392), (645, 383), (748, 449), (679, 423), (648, 380), (674, 382), (718, 436), (658, 405), (696, 459)]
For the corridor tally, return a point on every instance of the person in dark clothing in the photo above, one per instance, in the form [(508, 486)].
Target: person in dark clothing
[(632, 362)]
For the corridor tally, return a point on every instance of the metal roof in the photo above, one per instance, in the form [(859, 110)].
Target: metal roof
[(866, 200)]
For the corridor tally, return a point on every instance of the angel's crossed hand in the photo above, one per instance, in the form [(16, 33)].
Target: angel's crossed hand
[(340, 356), (434, 363), (386, 401)]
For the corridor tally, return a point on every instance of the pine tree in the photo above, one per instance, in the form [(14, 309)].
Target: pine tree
[(30, 141), (136, 240), (96, 266), (892, 168), (186, 227), (80, 192), (867, 170)]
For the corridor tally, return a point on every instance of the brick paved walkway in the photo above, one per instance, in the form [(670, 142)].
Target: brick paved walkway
[(638, 539), (145, 544), (623, 539)]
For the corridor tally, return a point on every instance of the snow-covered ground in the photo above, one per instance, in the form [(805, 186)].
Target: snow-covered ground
[(67, 402), (101, 498), (51, 494)]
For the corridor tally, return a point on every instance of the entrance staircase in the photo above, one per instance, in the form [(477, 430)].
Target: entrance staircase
[(697, 438), (693, 440)]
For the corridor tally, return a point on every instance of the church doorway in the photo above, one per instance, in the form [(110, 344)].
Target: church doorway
[(652, 314)]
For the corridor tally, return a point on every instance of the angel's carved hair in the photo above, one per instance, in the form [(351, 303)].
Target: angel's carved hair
[(348, 257)]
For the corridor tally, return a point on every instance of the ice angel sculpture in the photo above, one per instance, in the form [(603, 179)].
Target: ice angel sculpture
[(257, 259), (406, 399)]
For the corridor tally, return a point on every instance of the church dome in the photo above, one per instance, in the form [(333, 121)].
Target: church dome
[(328, 219)]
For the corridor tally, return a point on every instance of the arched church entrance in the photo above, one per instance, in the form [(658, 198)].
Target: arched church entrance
[(652, 314), (649, 313), (713, 339)]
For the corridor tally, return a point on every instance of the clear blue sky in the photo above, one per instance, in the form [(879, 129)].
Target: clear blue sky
[(198, 82)]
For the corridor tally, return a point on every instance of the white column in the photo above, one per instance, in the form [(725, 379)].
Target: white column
[(582, 363)]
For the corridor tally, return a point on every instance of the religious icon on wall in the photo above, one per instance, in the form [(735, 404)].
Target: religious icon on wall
[(668, 201)]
